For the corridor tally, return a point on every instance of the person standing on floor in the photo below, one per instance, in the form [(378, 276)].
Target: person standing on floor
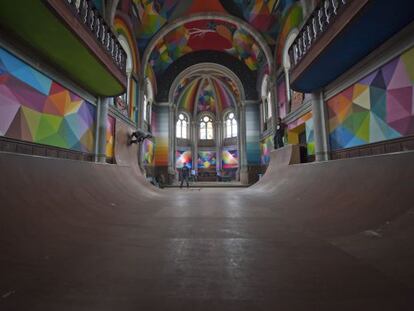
[(185, 172), (279, 134)]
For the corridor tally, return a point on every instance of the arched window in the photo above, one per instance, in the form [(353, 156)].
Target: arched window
[(230, 126), (269, 105), (145, 105), (206, 128), (182, 126)]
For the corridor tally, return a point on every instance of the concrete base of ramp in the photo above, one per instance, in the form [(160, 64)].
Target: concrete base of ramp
[(84, 236)]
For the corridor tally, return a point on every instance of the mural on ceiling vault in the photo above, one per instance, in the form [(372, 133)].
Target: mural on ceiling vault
[(214, 35), (204, 94), (261, 14), (206, 98), (291, 17)]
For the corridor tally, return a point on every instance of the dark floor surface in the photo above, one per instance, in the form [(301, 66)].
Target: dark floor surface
[(191, 249)]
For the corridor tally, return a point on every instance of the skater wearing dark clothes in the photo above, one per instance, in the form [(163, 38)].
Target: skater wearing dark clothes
[(185, 172), (279, 134)]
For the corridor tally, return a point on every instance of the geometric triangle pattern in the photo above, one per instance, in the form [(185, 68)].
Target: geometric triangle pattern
[(34, 108), (381, 106)]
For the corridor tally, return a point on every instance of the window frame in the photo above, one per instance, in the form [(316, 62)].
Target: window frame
[(186, 119), (201, 121)]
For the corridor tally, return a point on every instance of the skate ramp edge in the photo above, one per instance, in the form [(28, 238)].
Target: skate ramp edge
[(340, 196)]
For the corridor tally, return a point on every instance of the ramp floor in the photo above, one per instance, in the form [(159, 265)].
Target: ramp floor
[(85, 237)]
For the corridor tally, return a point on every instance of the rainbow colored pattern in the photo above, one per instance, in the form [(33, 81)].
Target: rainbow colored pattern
[(148, 152), (34, 108), (206, 34), (110, 137), (266, 147), (230, 158), (183, 157), (379, 107), (206, 159), (213, 95)]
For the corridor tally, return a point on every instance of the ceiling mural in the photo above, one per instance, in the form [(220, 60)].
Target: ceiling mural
[(204, 93), (207, 34), (247, 77), (261, 14), (154, 14)]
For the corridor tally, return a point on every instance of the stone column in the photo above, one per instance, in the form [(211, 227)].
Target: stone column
[(100, 134), (219, 143), (194, 147), (171, 139), (244, 174), (320, 130)]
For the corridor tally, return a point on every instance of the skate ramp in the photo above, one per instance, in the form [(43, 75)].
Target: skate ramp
[(337, 197), (85, 236)]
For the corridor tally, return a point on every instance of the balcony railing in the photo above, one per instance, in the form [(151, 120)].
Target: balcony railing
[(89, 16), (324, 15)]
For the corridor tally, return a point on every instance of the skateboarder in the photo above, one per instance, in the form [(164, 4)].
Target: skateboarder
[(185, 172), (279, 134)]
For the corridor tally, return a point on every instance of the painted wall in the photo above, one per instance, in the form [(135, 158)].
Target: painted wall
[(230, 158), (148, 153), (110, 137), (266, 146), (379, 107), (36, 109), (253, 134), (183, 157), (160, 132), (207, 159), (282, 102)]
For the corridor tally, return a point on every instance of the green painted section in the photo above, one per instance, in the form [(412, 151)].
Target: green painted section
[(37, 26)]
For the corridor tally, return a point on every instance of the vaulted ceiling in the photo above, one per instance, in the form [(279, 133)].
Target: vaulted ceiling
[(171, 31)]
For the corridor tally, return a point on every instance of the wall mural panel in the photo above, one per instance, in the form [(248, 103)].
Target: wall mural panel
[(110, 136), (379, 107), (206, 159), (148, 153), (36, 109), (310, 136), (230, 158), (183, 157), (266, 146), (253, 134), (160, 124)]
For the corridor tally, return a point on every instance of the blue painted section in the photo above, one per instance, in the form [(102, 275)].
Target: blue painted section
[(378, 21)]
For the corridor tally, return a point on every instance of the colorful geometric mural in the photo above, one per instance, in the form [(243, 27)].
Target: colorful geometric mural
[(207, 34), (230, 158), (160, 124), (291, 17), (213, 94), (266, 146), (206, 159), (183, 157), (253, 134), (377, 108), (148, 153), (310, 136), (110, 137), (34, 108)]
